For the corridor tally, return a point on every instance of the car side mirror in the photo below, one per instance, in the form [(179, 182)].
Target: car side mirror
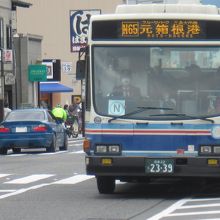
[(80, 69)]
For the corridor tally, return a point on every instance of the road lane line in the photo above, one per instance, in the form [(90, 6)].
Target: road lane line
[(7, 190), (169, 210), (78, 179), (203, 200), (46, 154), (77, 152), (20, 191), (199, 206), (74, 179), (29, 179), (4, 175), (193, 213)]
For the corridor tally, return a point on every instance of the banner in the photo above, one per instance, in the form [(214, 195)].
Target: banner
[(79, 25)]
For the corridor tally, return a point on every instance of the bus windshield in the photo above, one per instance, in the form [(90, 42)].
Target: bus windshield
[(169, 80)]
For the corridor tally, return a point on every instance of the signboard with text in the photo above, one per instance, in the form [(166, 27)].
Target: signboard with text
[(53, 69), (37, 73), (79, 25), (162, 29), (149, 29)]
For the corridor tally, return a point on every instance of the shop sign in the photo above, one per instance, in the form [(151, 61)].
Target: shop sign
[(79, 25), (37, 73)]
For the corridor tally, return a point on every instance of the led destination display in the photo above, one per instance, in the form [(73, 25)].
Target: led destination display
[(155, 30), (162, 29)]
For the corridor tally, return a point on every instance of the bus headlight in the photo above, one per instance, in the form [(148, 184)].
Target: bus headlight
[(101, 149), (217, 149), (111, 149), (206, 149), (115, 149)]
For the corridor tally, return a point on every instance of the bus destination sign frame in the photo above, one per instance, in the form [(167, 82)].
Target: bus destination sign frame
[(162, 29), (158, 29)]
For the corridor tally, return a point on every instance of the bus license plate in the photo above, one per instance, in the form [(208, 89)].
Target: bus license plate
[(159, 166)]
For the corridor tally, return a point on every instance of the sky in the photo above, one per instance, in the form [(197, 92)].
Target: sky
[(211, 2)]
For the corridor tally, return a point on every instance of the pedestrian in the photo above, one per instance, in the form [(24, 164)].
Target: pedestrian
[(59, 113), (66, 108), (7, 110)]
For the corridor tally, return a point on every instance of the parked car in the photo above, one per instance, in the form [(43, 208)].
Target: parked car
[(32, 128)]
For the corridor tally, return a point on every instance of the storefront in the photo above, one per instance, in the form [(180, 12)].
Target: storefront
[(49, 91)]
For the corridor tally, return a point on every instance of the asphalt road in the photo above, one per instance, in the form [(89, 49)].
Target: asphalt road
[(35, 185)]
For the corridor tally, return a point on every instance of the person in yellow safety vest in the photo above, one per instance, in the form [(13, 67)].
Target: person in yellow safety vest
[(59, 113)]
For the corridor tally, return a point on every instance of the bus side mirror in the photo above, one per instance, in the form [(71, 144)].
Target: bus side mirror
[(80, 69)]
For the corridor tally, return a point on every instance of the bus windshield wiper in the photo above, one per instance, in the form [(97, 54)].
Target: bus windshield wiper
[(139, 110), (187, 116)]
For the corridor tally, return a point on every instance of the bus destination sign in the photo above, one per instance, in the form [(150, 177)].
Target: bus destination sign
[(162, 29)]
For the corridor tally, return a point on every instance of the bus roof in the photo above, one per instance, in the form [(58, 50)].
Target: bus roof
[(180, 7), (183, 9)]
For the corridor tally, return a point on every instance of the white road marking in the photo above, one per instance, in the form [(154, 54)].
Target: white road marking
[(4, 175), (46, 154), (7, 190), (199, 206), (210, 219), (77, 152), (20, 191), (169, 210), (193, 213), (29, 179), (74, 179), (179, 205), (16, 155)]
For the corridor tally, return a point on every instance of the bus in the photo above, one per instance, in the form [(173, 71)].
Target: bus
[(167, 56)]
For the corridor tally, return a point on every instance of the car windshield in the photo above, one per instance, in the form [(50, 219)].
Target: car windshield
[(185, 79), (26, 116)]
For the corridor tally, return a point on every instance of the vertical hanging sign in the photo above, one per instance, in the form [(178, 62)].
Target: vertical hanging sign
[(79, 25)]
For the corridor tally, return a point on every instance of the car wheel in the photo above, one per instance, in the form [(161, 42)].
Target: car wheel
[(65, 144), (3, 151), (105, 184), (52, 147), (16, 150)]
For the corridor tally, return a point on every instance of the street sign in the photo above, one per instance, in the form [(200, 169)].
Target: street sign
[(9, 79), (37, 73), (7, 56)]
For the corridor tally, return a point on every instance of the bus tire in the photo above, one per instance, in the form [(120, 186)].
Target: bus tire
[(105, 184), (3, 151)]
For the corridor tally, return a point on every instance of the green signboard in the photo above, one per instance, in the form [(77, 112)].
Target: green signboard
[(37, 73)]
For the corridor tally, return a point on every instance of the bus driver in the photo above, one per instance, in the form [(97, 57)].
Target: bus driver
[(126, 89)]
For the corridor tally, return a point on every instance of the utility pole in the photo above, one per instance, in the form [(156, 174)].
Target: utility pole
[(2, 86)]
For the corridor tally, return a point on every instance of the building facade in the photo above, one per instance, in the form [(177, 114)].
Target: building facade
[(51, 19), (8, 10)]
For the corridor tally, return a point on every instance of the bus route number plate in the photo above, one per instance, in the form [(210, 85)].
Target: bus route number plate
[(159, 166)]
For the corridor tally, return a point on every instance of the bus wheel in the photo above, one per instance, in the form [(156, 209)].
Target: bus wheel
[(105, 184), (3, 151)]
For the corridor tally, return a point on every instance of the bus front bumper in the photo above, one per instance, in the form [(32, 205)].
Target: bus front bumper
[(119, 166)]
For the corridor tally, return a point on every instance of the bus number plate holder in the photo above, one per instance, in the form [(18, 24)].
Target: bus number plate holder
[(159, 166)]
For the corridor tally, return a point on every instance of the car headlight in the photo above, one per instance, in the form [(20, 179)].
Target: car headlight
[(101, 149), (206, 149)]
